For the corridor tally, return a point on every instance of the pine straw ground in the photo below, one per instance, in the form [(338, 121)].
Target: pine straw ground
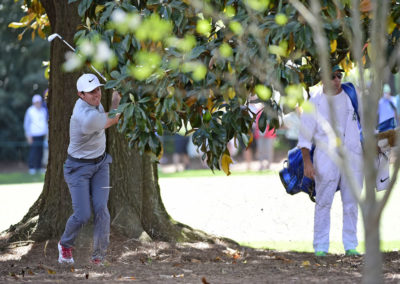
[(130, 261)]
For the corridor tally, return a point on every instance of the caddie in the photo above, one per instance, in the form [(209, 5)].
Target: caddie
[(327, 175), (86, 169)]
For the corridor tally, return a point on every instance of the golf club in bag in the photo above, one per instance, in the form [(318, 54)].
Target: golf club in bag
[(55, 35)]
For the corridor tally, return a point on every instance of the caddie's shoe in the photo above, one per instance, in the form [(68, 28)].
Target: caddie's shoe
[(320, 253), (352, 252), (64, 254)]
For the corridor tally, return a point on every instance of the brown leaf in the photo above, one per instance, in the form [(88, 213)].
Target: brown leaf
[(278, 257), (204, 281), (51, 271), (12, 274), (30, 272)]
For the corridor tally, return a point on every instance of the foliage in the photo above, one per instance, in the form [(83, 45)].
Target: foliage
[(21, 76), (195, 64)]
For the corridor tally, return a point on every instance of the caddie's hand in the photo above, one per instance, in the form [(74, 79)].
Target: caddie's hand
[(309, 170)]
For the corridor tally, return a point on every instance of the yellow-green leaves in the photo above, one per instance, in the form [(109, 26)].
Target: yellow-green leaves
[(146, 64), (203, 27), (198, 70), (226, 160), (391, 25), (333, 45), (154, 28), (185, 45), (230, 12), (281, 19), (225, 50), (263, 92), (294, 95), (280, 49), (236, 27), (258, 5), (151, 28), (123, 22)]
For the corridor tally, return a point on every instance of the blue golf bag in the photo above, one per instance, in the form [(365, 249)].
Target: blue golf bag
[(292, 174)]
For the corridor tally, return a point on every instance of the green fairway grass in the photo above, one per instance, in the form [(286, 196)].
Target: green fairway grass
[(305, 246), (209, 173), (22, 177)]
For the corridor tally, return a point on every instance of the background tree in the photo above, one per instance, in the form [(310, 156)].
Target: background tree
[(21, 76)]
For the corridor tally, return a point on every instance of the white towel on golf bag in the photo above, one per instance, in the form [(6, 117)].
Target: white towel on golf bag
[(382, 165)]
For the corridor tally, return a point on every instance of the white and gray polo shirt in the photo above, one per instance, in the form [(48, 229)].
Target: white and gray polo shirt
[(86, 131)]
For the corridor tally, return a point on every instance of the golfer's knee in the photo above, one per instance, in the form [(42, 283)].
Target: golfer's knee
[(82, 218)]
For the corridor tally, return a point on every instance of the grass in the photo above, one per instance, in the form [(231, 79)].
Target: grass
[(209, 173), (306, 246), (22, 177)]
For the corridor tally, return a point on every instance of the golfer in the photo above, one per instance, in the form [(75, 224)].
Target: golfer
[(86, 169)]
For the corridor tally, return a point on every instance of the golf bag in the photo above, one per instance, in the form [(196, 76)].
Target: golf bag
[(292, 174)]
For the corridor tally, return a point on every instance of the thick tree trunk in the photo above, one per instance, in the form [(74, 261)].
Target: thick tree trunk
[(135, 203)]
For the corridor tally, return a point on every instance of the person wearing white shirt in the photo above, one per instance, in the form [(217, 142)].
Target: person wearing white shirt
[(327, 175), (36, 128)]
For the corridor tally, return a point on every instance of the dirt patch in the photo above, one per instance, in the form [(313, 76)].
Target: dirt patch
[(160, 262)]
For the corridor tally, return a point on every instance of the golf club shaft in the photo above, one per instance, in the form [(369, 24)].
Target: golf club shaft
[(53, 36)]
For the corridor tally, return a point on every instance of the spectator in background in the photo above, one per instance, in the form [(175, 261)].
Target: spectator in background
[(248, 152), (35, 126), (292, 122), (265, 144), (180, 152), (387, 106)]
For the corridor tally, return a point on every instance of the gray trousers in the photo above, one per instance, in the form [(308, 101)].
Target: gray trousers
[(88, 184)]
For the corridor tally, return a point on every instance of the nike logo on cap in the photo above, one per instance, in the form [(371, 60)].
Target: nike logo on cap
[(90, 81), (385, 179)]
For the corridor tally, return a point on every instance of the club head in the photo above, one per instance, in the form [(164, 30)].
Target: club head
[(53, 36)]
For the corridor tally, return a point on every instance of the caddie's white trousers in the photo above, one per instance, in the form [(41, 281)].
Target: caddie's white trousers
[(325, 191)]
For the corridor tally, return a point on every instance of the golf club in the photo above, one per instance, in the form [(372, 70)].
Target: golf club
[(55, 35)]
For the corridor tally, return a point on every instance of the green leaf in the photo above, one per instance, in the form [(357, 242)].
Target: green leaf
[(84, 6), (262, 122)]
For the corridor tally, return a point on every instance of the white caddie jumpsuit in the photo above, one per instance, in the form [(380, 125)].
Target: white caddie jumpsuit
[(327, 175)]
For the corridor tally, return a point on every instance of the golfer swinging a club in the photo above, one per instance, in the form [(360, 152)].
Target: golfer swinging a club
[(86, 169)]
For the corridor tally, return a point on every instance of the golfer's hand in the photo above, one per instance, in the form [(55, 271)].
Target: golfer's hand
[(309, 170), (116, 98), (29, 139)]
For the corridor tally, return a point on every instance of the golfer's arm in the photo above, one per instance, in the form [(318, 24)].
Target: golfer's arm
[(114, 105), (111, 121)]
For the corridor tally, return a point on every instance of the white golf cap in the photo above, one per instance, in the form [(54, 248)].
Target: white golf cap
[(87, 83), (37, 99)]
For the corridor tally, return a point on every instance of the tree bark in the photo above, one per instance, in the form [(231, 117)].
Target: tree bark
[(373, 257), (135, 202)]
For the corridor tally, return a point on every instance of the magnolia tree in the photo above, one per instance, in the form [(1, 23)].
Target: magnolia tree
[(194, 65)]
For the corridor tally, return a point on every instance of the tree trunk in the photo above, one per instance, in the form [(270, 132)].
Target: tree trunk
[(135, 203), (373, 257)]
